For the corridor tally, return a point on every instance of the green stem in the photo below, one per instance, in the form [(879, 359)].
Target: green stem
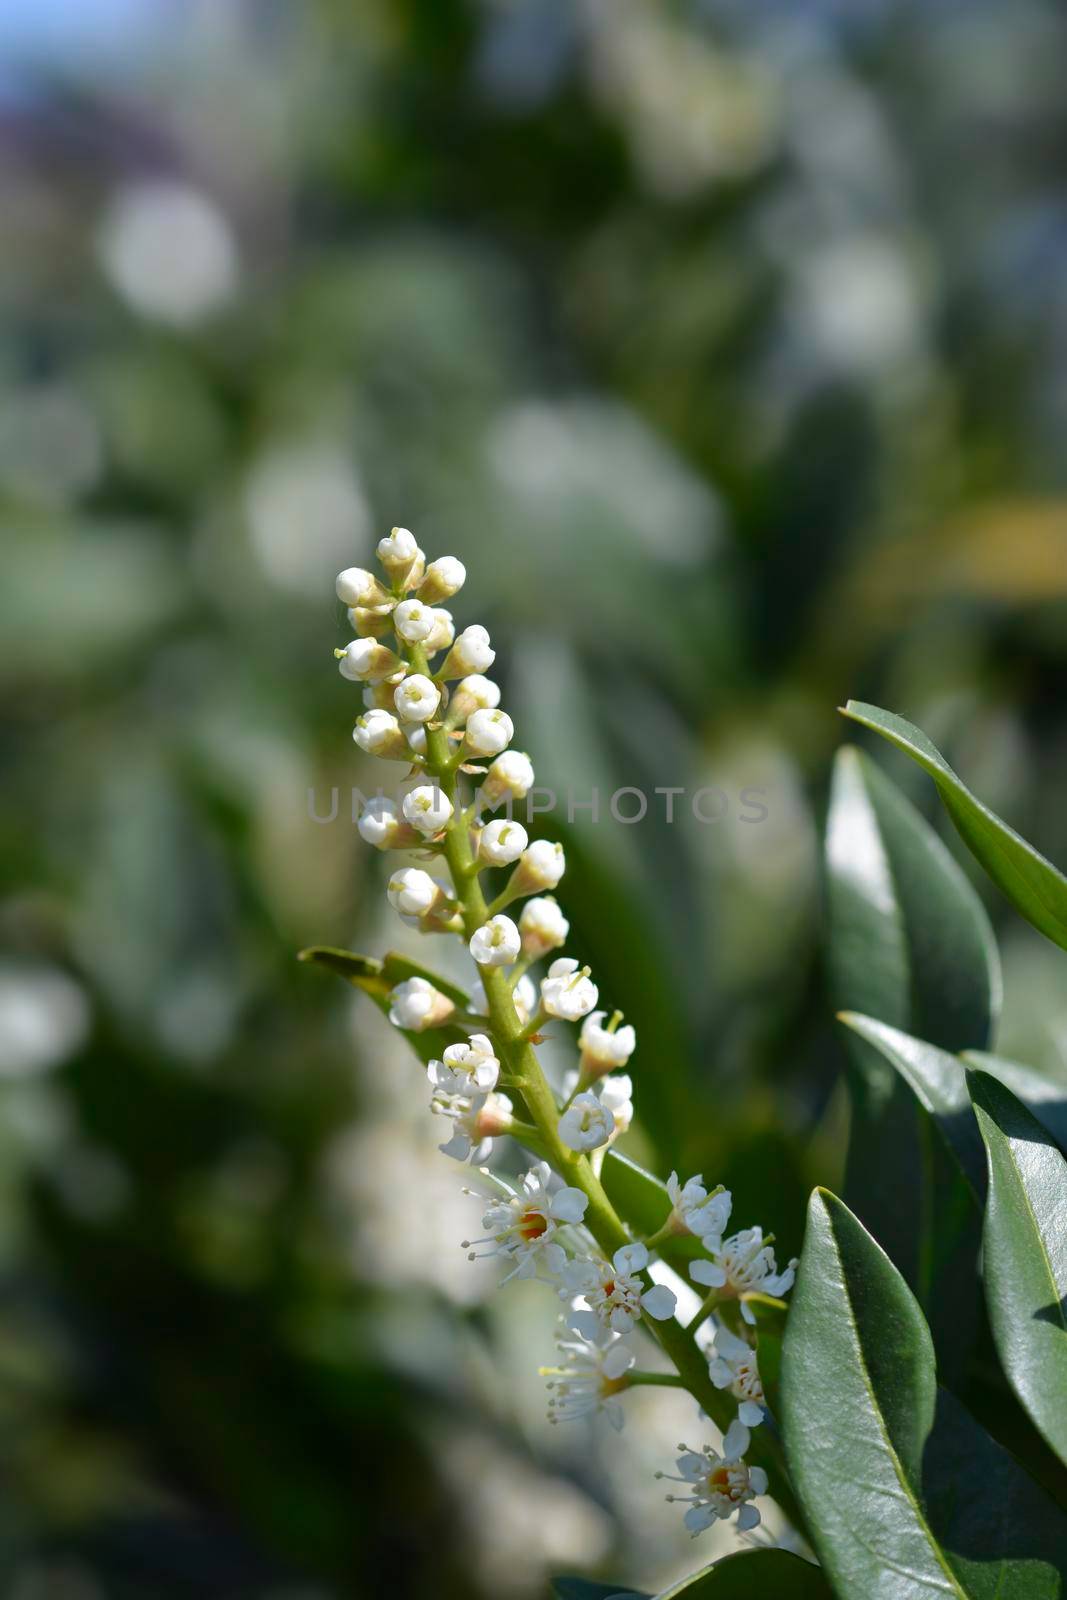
[(658, 1380)]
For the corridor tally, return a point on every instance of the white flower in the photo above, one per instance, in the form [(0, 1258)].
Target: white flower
[(442, 633), (543, 926), (496, 943), (380, 825), (511, 774), (586, 1124), (473, 693), (594, 1362), (501, 843), (524, 1224), (444, 578), (613, 1291), (697, 1211), (477, 1120), (733, 1366), (428, 809), (400, 555), (473, 1065), (416, 1005), (615, 1094), (417, 698), (413, 892), (541, 867), (488, 732), (368, 661), (744, 1264), (568, 993), (720, 1485), (413, 621), (604, 1048), (471, 652), (523, 995), (378, 733), (415, 734), (357, 587)]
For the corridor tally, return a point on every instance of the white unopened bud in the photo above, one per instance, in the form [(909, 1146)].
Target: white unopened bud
[(605, 1048), (488, 733), (541, 867), (416, 1005), (567, 992), (616, 1096), (511, 774), (501, 843), (523, 997), (399, 553), (586, 1124), (417, 698), (378, 696), (358, 587), (473, 693), (413, 621), (444, 578), (428, 809), (415, 734), (471, 652), (380, 824), (543, 927), (442, 633), (413, 892), (367, 661), (496, 943), (378, 734)]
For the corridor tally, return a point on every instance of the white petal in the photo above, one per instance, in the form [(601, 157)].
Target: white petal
[(736, 1441), (459, 1147), (707, 1272), (728, 1345), (750, 1413), (697, 1518), (720, 1373), (631, 1258), (758, 1479), (748, 1517), (748, 1314), (618, 1360), (568, 1205), (585, 1323), (659, 1302)]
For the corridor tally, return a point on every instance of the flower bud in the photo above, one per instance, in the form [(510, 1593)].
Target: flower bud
[(496, 943), (399, 554), (380, 824), (566, 992), (511, 775), (378, 734), (474, 1063), (358, 587), (523, 995), (417, 698), (604, 1048), (428, 809), (442, 633), (616, 1096), (413, 621), (413, 892), (444, 578), (415, 734), (586, 1124), (367, 661), (471, 652), (370, 624), (501, 843), (543, 927), (379, 696), (541, 867), (488, 733), (473, 693), (416, 1005)]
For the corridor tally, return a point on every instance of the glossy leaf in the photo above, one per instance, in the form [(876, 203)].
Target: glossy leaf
[(585, 1589), (1025, 1255), (754, 1575), (907, 1498), (1044, 1097), (1034, 886)]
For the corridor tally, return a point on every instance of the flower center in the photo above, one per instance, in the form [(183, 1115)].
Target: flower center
[(532, 1224)]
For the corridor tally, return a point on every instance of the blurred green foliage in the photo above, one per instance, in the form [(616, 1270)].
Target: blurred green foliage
[(726, 345)]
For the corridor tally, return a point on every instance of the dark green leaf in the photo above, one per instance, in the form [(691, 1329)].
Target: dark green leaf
[(584, 1589), (1034, 886), (1025, 1254), (901, 1506), (755, 1575), (1045, 1097), (910, 942), (377, 979)]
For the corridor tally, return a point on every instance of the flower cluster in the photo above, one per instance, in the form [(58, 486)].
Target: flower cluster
[(428, 704)]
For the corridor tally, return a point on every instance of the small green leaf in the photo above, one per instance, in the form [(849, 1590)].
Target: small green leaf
[(1025, 1255), (1045, 1097), (378, 978), (1034, 886), (642, 1201), (754, 1575), (584, 1589)]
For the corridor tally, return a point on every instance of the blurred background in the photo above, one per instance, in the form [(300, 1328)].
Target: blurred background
[(727, 345)]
